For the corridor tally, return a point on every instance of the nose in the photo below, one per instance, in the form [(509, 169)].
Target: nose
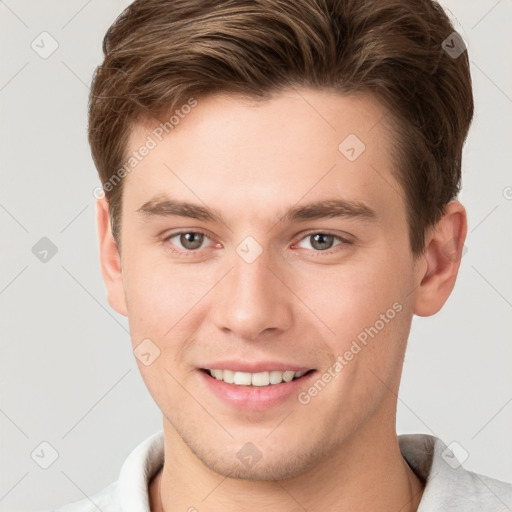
[(253, 300)]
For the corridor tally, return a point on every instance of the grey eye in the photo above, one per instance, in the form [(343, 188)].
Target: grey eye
[(320, 241), (190, 240)]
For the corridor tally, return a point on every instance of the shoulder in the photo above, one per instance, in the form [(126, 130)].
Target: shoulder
[(130, 491), (106, 500), (448, 485)]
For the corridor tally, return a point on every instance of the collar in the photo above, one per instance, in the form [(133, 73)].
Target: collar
[(448, 486)]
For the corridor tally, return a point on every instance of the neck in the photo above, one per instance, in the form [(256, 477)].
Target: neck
[(366, 472)]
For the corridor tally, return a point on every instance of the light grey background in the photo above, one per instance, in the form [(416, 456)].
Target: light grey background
[(68, 375)]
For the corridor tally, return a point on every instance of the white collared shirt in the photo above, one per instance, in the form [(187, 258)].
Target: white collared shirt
[(449, 487)]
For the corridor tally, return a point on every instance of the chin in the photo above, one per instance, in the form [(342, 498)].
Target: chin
[(262, 464)]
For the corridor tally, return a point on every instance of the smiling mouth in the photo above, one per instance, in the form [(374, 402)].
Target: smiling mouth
[(259, 379)]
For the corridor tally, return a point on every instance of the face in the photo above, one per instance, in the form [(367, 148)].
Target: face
[(291, 255)]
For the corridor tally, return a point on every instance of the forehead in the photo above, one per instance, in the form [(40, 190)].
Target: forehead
[(246, 156)]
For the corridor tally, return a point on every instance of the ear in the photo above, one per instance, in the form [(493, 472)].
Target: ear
[(110, 259), (443, 251)]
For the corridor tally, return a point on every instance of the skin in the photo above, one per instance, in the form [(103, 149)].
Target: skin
[(250, 162)]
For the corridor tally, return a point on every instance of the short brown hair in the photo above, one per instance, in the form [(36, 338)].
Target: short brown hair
[(161, 53)]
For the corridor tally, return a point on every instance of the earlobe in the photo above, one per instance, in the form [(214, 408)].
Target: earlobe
[(110, 259), (442, 255)]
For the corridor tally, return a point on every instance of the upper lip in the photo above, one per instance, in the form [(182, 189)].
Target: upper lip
[(254, 366)]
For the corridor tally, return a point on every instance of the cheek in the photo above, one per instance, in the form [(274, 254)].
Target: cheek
[(378, 316), (368, 308), (162, 298), (350, 298)]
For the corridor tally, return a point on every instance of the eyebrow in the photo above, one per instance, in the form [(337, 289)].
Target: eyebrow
[(164, 206)]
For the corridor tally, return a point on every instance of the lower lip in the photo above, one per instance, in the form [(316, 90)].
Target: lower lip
[(255, 398)]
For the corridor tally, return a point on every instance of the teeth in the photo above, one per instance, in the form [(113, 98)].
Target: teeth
[(260, 379), (288, 376), (218, 374), (255, 379), (276, 377), (227, 376), (241, 378)]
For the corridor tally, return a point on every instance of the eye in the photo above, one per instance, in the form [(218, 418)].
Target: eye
[(323, 242), (188, 241)]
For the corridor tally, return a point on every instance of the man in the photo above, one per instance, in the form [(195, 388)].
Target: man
[(280, 186)]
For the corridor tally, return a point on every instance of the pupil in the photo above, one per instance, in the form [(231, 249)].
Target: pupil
[(322, 241), (187, 240)]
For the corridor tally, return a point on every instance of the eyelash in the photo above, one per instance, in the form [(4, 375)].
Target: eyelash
[(193, 252)]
